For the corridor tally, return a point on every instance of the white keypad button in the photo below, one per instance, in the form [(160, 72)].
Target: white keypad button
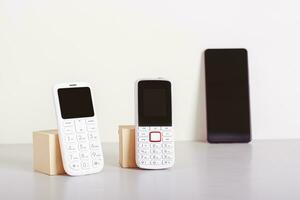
[(143, 133), (144, 151), (82, 137), (73, 157), (144, 157), (143, 139), (91, 121), (143, 128), (168, 145), (167, 157), (68, 123), (94, 145), (70, 138), (155, 151), (167, 151), (155, 136), (167, 134), (157, 146), (144, 162), (85, 165), (75, 165), (96, 163), (71, 147), (91, 127), (156, 162), (154, 128), (80, 125), (68, 130), (84, 146), (166, 162), (84, 155), (166, 128), (93, 136), (144, 145), (167, 139), (96, 155), (155, 157)]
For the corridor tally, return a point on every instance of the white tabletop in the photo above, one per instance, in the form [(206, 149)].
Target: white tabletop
[(259, 170)]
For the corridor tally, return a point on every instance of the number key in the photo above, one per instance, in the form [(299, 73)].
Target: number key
[(96, 155), (84, 155), (144, 151), (168, 145), (143, 133), (91, 121), (85, 165), (71, 147), (167, 157), (82, 138), (94, 145), (167, 151), (155, 157), (144, 145), (143, 157), (157, 146), (70, 138), (83, 146), (93, 136), (73, 157)]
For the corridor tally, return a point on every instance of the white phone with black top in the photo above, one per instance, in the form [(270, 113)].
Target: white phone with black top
[(78, 130), (154, 138)]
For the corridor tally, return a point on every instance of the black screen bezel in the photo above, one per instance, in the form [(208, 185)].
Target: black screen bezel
[(154, 121), (91, 113), (227, 137)]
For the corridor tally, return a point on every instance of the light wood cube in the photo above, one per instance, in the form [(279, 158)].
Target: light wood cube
[(127, 146), (46, 152)]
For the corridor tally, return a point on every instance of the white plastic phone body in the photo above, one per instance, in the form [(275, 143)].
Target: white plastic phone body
[(155, 148), (79, 138)]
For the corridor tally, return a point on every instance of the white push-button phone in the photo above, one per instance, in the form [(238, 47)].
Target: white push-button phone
[(154, 131), (77, 127)]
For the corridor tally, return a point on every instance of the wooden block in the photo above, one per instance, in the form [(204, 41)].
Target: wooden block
[(46, 152), (127, 146)]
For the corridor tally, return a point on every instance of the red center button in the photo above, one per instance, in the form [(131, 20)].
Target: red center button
[(155, 136)]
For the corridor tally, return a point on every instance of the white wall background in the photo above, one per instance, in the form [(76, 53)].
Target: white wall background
[(113, 43)]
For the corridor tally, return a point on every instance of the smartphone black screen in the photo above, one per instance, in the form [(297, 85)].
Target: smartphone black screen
[(227, 95), (154, 103), (75, 102)]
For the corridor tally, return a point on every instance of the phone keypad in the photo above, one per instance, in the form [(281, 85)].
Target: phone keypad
[(82, 144), (155, 146)]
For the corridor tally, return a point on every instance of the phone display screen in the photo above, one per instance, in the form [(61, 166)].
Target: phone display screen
[(227, 95), (75, 102), (154, 103)]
